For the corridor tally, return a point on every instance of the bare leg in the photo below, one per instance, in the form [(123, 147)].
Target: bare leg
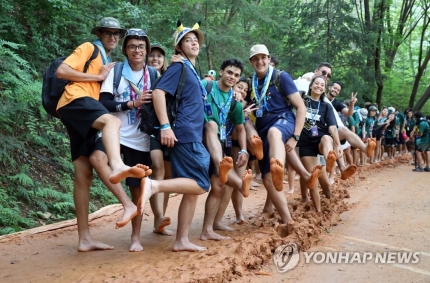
[(136, 223), (310, 162), (81, 191), (218, 225), (291, 176)]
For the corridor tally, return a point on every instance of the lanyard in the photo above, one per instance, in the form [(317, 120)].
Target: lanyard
[(139, 89), (204, 94), (223, 109), (313, 115), (260, 96)]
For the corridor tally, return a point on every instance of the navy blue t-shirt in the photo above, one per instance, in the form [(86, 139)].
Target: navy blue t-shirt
[(276, 102), (190, 115)]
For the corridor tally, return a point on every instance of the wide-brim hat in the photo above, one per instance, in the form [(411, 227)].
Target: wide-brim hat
[(158, 46), (258, 49), (182, 31), (373, 108), (109, 22), (139, 33)]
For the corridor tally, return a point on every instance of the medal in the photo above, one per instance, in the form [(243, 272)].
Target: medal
[(314, 131), (259, 113)]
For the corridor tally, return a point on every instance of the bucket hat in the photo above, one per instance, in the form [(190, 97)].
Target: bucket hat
[(158, 46), (182, 31), (108, 22)]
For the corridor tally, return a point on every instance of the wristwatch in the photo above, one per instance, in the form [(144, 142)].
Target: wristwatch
[(296, 137)]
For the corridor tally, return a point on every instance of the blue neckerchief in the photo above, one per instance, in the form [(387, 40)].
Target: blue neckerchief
[(260, 96), (223, 109), (188, 63), (106, 59), (318, 110), (127, 73)]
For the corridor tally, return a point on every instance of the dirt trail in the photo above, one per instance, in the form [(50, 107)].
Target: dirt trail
[(53, 256)]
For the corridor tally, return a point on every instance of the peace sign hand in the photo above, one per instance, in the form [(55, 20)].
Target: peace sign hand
[(353, 99)]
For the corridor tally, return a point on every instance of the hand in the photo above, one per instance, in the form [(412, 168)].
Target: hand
[(175, 58), (353, 99), (249, 109), (242, 159), (237, 96), (168, 138), (144, 98), (290, 144), (105, 70), (339, 151)]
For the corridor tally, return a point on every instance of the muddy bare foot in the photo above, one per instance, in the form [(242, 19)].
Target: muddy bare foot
[(277, 171), (371, 144), (224, 167), (246, 182), (315, 174), (222, 227), (331, 161), (92, 245), (348, 172), (257, 146), (187, 246), (145, 194), (136, 246), (211, 235), (240, 220), (129, 213), (139, 171), (160, 224)]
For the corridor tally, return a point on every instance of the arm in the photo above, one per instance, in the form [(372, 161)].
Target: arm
[(66, 72), (349, 110), (159, 99), (242, 159), (297, 102)]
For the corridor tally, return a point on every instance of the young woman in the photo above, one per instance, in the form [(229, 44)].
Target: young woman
[(409, 127), (379, 134), (157, 58), (319, 134), (370, 123)]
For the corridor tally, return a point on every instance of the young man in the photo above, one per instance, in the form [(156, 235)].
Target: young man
[(278, 127), (422, 130), (189, 158), (217, 114), (83, 116), (123, 101)]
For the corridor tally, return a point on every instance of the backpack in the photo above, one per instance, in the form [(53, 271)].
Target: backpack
[(153, 74), (53, 87)]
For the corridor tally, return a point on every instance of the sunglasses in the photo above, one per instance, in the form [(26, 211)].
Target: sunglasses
[(137, 32), (324, 73)]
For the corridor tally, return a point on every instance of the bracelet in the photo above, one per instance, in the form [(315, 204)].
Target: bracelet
[(243, 151), (165, 127)]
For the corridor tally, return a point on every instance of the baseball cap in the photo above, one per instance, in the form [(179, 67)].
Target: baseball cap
[(258, 49)]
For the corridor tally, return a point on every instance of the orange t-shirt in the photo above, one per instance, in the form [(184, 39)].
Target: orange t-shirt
[(77, 61)]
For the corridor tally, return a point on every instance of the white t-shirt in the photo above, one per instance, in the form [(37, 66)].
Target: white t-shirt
[(129, 134)]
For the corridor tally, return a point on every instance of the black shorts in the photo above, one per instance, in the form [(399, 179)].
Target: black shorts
[(78, 117), (226, 151), (390, 141), (155, 144), (310, 148)]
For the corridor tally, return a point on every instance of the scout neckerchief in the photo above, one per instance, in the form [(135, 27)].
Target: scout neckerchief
[(223, 110), (259, 97), (203, 89), (136, 88), (105, 59)]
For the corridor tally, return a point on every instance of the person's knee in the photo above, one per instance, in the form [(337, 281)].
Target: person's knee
[(98, 158), (273, 134)]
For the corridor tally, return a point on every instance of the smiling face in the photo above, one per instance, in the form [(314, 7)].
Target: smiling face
[(109, 38), (229, 77), (260, 63), (317, 87), (242, 88), (156, 59), (189, 45), (138, 55), (335, 89), (324, 71), (384, 112)]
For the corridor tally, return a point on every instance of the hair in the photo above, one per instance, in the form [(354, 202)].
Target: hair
[(243, 79), (418, 115), (312, 81), (165, 65), (274, 60), (336, 82), (324, 64), (232, 62)]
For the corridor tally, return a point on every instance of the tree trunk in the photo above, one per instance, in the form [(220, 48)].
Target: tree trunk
[(423, 99)]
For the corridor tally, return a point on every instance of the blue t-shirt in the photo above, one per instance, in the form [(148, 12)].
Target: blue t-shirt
[(276, 102), (190, 115)]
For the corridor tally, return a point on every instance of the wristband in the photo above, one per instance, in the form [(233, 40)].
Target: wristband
[(243, 151), (165, 127)]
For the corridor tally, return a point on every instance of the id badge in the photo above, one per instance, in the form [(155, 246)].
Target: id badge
[(132, 117), (259, 113), (208, 109), (228, 142), (222, 133), (314, 131)]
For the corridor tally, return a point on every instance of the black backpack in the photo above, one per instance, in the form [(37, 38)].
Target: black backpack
[(53, 87)]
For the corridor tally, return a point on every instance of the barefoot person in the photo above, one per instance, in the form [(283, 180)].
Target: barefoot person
[(319, 135), (218, 111), (277, 126), (83, 116)]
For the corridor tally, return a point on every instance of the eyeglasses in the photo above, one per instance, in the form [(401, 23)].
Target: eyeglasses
[(324, 73), (108, 34), (137, 32), (142, 47)]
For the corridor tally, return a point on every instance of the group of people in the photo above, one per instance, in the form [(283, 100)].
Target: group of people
[(218, 125)]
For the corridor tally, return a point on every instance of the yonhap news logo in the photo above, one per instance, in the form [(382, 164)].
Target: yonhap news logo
[(287, 257)]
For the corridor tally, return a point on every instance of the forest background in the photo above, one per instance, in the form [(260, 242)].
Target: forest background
[(379, 49)]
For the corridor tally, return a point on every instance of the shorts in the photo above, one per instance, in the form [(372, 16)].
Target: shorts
[(131, 157), (423, 147), (78, 117), (401, 140), (310, 148), (155, 144), (286, 127), (390, 141), (226, 151), (191, 160)]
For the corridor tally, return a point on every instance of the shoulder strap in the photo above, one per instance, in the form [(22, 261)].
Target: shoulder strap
[(93, 56), (232, 104), (153, 74), (209, 86), (179, 90), (117, 74), (277, 83)]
